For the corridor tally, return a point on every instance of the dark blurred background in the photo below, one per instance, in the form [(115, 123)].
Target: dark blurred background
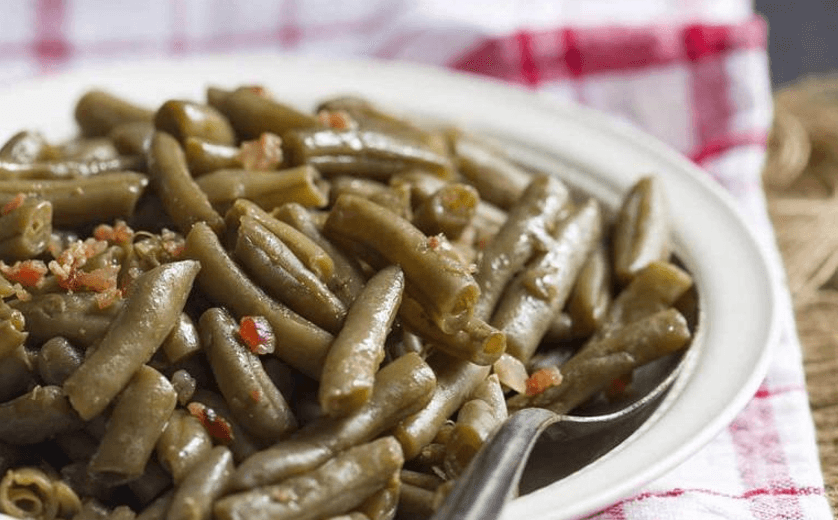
[(803, 37)]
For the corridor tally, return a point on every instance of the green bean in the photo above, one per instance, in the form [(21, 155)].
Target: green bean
[(448, 211), (183, 199), (641, 232), (531, 218), (364, 153), (151, 484), (75, 316), (27, 147), (40, 414), (25, 230), (252, 396), (304, 344), (185, 385), (396, 199), (122, 513), (97, 113), (136, 423), (560, 329), (534, 296), (591, 295), (157, 510), (415, 502), (476, 341), (184, 119), (92, 510), (84, 149), (382, 504), (353, 475), (274, 266), (183, 444), (267, 189), (150, 312), (312, 255), (29, 493), (456, 380), (12, 329), (57, 359), (16, 373), (132, 138), (477, 420), (193, 499), (203, 156), (68, 169), (419, 479), (496, 178), (252, 114), (349, 370), (242, 444), (401, 388), (99, 198), (183, 341), (442, 284), (354, 515), (348, 280)]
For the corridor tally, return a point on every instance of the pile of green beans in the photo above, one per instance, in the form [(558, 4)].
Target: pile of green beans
[(238, 310)]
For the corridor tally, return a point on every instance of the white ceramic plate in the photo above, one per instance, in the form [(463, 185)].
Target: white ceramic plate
[(593, 151)]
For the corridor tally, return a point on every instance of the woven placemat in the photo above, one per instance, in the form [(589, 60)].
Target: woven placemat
[(801, 181)]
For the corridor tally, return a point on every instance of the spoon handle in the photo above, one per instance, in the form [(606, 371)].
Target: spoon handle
[(488, 482)]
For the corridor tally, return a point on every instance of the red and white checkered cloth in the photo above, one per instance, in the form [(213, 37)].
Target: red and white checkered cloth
[(692, 72)]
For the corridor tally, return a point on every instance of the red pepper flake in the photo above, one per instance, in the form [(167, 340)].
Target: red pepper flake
[(618, 386), (261, 154), (257, 335), (543, 379), (217, 426), (337, 119), (256, 395), (13, 204), (28, 273)]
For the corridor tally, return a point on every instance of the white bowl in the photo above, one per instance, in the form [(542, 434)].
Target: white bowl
[(592, 151)]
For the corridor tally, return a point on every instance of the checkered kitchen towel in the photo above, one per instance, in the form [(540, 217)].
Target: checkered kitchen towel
[(693, 73)]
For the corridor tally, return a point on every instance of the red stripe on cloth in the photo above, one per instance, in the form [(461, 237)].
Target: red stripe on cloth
[(766, 393), (719, 146), (394, 46), (289, 32), (51, 47), (762, 462), (178, 43), (751, 494), (711, 40), (529, 69)]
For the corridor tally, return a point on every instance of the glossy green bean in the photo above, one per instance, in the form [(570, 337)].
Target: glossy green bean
[(25, 230), (396, 199), (132, 138), (448, 211), (183, 341), (97, 113), (242, 444), (75, 316), (184, 119), (591, 296), (57, 359), (182, 445), (85, 149), (496, 178), (204, 157), (382, 504), (40, 414), (252, 114), (26, 147), (641, 232), (194, 497), (266, 189)]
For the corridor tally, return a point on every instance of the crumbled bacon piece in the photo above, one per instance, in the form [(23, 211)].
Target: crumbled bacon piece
[(337, 119), (261, 154), (120, 233), (543, 379), (257, 335), (255, 395), (13, 204), (217, 427), (28, 273)]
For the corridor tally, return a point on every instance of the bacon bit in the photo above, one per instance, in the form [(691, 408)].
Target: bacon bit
[(257, 335), (172, 243), (108, 297), (337, 119), (217, 426), (543, 379), (256, 395), (434, 242), (261, 154), (28, 273), (259, 90), (120, 233), (13, 204), (618, 386)]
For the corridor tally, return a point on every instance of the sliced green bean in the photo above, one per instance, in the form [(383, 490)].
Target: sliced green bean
[(252, 396), (531, 218), (139, 416), (57, 359), (12, 329), (97, 113), (183, 341), (304, 345), (497, 179), (396, 199), (267, 189), (132, 138), (443, 285), (150, 312), (204, 157), (534, 296), (183, 119), (183, 199), (29, 493), (27, 147), (252, 114), (591, 295), (641, 233), (448, 211), (382, 504), (352, 475), (352, 362), (194, 497), (75, 316), (36, 416), (99, 198), (277, 269), (183, 444), (25, 230)]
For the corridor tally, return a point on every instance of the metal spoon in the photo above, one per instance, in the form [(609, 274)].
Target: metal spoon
[(492, 476)]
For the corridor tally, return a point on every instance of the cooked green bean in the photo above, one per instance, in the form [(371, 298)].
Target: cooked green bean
[(534, 296), (25, 230), (183, 341), (444, 285), (99, 198), (157, 510), (448, 211), (68, 169), (353, 359), (85, 149), (183, 444), (531, 218), (16, 373), (40, 414), (57, 359), (354, 515), (382, 504), (273, 265), (456, 380), (252, 396), (75, 316), (312, 255), (194, 497), (641, 232), (97, 113), (30, 493), (12, 329), (183, 199), (150, 312), (26, 147), (266, 189), (241, 443), (365, 153), (415, 502), (132, 138), (151, 484), (252, 114), (139, 416), (304, 345), (401, 388), (560, 329), (203, 156), (591, 295), (497, 179), (92, 510), (352, 475), (396, 199), (184, 119)]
